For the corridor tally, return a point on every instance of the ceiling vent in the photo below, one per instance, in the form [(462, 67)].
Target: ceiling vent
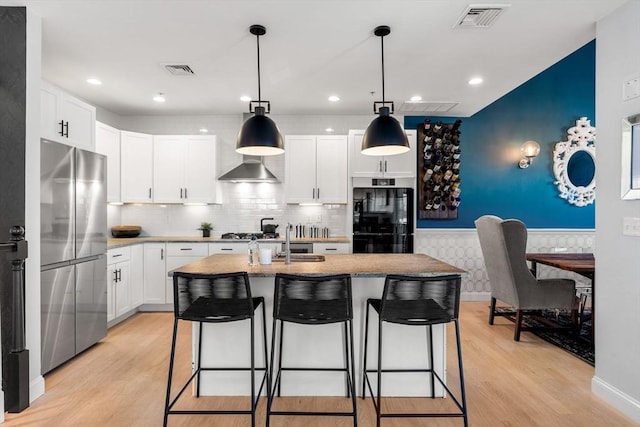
[(179, 69), (426, 107), (480, 15)]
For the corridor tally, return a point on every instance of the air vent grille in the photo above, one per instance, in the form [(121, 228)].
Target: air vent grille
[(480, 16), (426, 107), (179, 69)]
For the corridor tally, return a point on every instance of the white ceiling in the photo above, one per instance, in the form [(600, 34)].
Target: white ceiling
[(312, 49)]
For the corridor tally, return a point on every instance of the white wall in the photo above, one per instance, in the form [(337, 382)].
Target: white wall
[(617, 377)]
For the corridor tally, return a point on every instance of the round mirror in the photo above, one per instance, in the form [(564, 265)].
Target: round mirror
[(581, 169), (574, 164)]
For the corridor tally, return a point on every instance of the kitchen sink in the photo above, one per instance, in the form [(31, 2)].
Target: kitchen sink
[(299, 258)]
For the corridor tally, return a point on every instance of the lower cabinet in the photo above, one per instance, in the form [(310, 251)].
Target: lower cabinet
[(179, 254), (119, 284), (155, 273), (228, 248), (136, 275), (331, 248)]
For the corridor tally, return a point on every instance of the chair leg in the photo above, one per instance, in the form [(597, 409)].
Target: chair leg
[(431, 366), (516, 334), (352, 382), (171, 360), (492, 311), (463, 394), (364, 363)]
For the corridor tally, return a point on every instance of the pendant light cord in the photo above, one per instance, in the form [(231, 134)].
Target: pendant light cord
[(258, 45), (382, 48)]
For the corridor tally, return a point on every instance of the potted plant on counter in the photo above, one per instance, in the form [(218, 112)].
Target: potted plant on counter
[(206, 228)]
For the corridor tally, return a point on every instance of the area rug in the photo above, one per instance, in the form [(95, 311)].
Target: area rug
[(580, 345)]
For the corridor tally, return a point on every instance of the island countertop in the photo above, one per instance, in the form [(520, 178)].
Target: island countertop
[(372, 265)]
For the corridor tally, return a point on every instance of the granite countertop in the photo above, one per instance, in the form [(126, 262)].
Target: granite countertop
[(115, 243), (372, 265)]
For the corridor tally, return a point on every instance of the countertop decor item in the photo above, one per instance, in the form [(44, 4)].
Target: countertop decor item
[(124, 231), (206, 228), (384, 136)]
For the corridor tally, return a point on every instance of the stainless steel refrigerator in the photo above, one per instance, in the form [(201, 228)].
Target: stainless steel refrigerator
[(383, 220), (73, 209)]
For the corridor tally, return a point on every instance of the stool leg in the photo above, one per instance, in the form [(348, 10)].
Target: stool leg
[(431, 366), (253, 375), (364, 363), (199, 358), (266, 356), (272, 379), (171, 359), (345, 346), (379, 391), (351, 376), (463, 394), (492, 310), (280, 355)]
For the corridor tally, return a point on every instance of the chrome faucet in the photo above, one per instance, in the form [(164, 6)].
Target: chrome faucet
[(287, 244)]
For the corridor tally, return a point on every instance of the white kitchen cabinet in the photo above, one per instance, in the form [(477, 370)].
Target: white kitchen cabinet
[(136, 276), (155, 273), (399, 165), (228, 248), (184, 169), (66, 119), (108, 143), (331, 248), (119, 284), (179, 254), (136, 155), (316, 169)]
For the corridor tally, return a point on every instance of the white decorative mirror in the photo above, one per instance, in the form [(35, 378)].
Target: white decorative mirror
[(631, 157), (574, 164)]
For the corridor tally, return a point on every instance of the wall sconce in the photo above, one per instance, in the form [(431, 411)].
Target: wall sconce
[(529, 150)]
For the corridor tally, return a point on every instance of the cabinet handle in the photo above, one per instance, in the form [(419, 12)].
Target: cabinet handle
[(385, 165), (66, 129), (61, 123), (318, 191), (181, 193), (226, 249), (162, 254), (186, 249), (331, 249), (116, 255), (115, 276), (380, 166), (119, 275), (149, 192), (185, 193), (313, 193)]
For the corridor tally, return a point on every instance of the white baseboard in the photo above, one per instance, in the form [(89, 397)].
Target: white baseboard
[(616, 398)]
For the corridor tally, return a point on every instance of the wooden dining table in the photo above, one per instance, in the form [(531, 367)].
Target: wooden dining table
[(583, 264)]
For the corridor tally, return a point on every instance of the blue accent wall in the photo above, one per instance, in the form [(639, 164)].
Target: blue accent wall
[(541, 109)]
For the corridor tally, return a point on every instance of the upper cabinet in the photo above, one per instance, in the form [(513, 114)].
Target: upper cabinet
[(184, 169), (316, 169), (66, 119), (136, 155), (108, 143), (399, 165)]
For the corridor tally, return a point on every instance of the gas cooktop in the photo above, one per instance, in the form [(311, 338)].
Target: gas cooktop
[(247, 236)]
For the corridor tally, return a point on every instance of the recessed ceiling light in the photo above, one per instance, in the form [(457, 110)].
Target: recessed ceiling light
[(93, 81), (204, 130), (475, 81), (245, 98), (334, 98), (159, 97), (328, 130), (416, 98)]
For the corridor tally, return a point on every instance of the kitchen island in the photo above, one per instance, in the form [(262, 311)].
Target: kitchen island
[(322, 345)]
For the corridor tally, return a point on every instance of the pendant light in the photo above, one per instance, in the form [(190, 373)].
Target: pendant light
[(259, 135), (384, 136)]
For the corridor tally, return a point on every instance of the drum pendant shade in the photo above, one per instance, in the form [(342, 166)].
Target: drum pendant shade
[(384, 136), (259, 135)]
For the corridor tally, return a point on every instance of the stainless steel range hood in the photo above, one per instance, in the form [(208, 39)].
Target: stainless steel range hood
[(250, 170)]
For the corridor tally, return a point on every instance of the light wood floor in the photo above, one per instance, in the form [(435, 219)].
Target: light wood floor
[(121, 382)]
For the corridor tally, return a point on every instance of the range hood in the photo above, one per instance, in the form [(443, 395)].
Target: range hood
[(250, 170)]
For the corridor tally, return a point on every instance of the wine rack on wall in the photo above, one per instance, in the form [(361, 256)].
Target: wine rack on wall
[(438, 170)]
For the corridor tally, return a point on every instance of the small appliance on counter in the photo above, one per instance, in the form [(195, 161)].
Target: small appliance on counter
[(125, 231)]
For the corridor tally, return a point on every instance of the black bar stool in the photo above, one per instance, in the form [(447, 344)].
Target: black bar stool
[(416, 301), (215, 298), (313, 300)]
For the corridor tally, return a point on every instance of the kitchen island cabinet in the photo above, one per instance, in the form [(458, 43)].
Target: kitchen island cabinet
[(321, 348)]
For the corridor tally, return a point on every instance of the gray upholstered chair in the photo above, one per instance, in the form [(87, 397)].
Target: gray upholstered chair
[(503, 244)]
